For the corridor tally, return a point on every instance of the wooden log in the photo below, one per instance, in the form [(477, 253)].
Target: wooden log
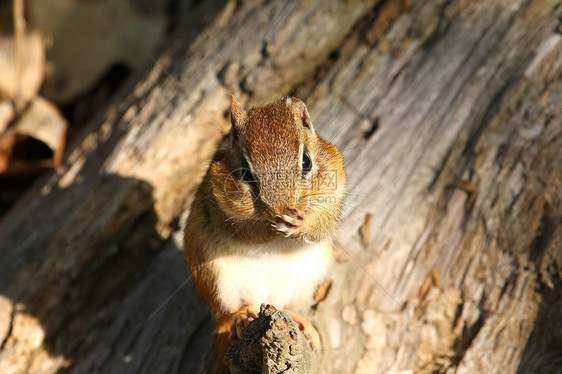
[(272, 343), (448, 115)]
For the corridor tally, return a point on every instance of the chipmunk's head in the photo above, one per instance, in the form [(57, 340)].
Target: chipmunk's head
[(277, 162)]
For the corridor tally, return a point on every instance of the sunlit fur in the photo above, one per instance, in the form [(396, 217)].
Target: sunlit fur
[(233, 252)]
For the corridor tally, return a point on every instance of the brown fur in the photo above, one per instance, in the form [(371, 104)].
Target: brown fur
[(229, 213)]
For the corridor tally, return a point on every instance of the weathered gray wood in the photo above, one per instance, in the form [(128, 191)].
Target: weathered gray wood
[(449, 116), (271, 344)]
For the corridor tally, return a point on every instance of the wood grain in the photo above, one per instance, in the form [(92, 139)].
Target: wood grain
[(422, 98)]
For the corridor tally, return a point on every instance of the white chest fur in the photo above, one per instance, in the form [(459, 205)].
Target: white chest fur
[(269, 273)]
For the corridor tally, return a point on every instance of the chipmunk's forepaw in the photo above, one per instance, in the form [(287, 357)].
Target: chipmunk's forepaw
[(309, 332), (241, 319), (290, 225)]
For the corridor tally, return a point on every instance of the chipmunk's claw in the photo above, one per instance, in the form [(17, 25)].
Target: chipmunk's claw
[(290, 225), (309, 331), (241, 320)]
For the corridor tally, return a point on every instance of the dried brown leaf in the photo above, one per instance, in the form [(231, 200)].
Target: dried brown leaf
[(43, 121), (365, 231), (7, 114), (32, 71), (91, 36), (7, 141), (467, 186), (322, 291)]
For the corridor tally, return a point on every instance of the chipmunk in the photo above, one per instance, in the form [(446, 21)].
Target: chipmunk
[(260, 228)]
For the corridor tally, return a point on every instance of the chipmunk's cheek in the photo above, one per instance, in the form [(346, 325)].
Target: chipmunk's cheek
[(238, 199), (233, 196)]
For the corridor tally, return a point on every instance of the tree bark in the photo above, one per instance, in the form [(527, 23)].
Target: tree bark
[(449, 116), (273, 343)]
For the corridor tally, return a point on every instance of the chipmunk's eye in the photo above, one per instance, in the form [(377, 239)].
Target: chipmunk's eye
[(244, 173), (306, 162)]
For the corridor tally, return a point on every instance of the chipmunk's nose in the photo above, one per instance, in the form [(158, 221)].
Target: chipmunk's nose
[(277, 193)]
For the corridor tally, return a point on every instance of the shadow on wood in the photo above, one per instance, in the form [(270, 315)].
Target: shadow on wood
[(462, 177)]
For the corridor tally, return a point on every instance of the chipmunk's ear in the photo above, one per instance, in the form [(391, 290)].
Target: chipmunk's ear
[(238, 118), (237, 115), (300, 110)]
